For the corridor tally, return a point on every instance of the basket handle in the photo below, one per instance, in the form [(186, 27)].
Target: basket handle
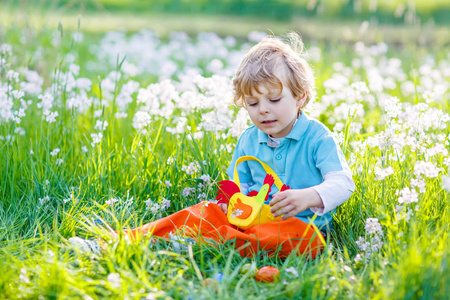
[(268, 170)]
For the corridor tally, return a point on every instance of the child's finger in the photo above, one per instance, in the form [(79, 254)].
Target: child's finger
[(277, 206), (283, 210), (276, 198), (223, 207)]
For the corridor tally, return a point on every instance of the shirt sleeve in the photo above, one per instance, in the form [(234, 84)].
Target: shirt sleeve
[(336, 188), (328, 156)]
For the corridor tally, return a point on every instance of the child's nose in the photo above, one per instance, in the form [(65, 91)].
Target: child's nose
[(263, 108)]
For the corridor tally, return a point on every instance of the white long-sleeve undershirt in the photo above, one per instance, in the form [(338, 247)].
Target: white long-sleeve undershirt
[(336, 188)]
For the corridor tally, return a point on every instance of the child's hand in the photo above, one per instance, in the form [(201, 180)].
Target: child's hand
[(223, 207), (291, 202)]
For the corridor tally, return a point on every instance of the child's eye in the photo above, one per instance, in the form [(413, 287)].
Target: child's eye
[(275, 100), (252, 104)]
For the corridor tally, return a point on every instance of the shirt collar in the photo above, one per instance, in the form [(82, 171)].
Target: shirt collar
[(296, 133)]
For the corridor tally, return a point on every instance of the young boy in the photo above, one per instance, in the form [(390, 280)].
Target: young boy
[(274, 83)]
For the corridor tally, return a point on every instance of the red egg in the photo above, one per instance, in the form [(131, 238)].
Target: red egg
[(267, 274)]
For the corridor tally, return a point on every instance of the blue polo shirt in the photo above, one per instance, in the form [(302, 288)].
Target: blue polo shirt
[(301, 160)]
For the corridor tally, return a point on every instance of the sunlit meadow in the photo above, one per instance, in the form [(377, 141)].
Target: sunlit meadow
[(117, 130)]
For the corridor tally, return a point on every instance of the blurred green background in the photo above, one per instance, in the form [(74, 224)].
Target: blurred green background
[(384, 11), (370, 21)]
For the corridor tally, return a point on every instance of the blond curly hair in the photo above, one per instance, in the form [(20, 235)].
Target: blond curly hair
[(267, 58)]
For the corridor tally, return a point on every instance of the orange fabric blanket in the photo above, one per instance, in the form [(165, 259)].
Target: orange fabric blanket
[(207, 221)]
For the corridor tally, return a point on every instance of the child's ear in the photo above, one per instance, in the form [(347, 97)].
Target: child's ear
[(302, 99)]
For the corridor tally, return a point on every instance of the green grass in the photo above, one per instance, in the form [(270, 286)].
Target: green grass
[(36, 260)]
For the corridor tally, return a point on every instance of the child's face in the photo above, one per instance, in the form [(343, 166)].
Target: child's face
[(273, 111)]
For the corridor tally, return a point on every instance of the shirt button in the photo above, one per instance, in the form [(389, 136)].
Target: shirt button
[(278, 156)]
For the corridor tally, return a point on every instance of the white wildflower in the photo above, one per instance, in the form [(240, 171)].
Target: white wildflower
[(23, 276), (256, 36), (44, 200), (202, 196), (114, 279), (101, 126), (98, 113), (426, 168), (165, 203), (381, 174), (446, 183), (12, 75), (192, 168), (362, 244), (358, 258), (373, 226), (59, 161), (121, 115), (141, 119), (188, 191), (5, 49), (111, 201), (236, 213), (292, 271), (408, 196), (206, 178), (55, 152), (51, 118), (96, 138), (148, 203), (419, 183), (155, 208), (19, 130), (393, 107)]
